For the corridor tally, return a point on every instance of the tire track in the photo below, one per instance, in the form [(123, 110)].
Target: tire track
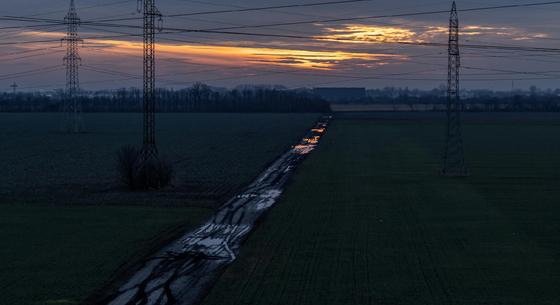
[(273, 242), (184, 271)]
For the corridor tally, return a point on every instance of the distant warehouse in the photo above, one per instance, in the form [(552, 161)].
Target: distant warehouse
[(341, 94)]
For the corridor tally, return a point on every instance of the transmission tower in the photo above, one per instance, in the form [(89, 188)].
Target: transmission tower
[(453, 157), (150, 15), (73, 121)]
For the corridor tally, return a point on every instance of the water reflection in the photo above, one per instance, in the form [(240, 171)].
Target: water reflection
[(181, 272), (310, 141)]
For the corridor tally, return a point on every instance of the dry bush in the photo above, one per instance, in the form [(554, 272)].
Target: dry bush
[(139, 174)]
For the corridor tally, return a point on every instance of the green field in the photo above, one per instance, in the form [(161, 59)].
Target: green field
[(67, 226), (213, 154), (368, 220), (59, 255)]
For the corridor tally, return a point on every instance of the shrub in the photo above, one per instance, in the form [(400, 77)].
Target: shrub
[(128, 164), (139, 174)]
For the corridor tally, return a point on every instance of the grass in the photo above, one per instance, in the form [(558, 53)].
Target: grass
[(367, 219), (213, 155), (58, 255), (67, 227)]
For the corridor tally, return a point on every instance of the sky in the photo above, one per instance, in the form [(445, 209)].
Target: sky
[(371, 53)]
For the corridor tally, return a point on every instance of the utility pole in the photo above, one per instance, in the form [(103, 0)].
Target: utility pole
[(72, 108), (453, 157), (14, 87), (149, 150)]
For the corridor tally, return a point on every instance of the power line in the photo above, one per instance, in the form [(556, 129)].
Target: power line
[(427, 44), (330, 20), (84, 8), (252, 9), (31, 72), (32, 55), (412, 14), (28, 51), (301, 5), (543, 73), (350, 77), (221, 30), (472, 46)]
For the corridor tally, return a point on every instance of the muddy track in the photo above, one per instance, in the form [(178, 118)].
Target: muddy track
[(183, 272)]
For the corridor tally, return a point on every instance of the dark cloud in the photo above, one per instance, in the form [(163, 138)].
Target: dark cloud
[(509, 27)]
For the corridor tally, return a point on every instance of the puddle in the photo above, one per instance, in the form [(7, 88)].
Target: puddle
[(183, 272)]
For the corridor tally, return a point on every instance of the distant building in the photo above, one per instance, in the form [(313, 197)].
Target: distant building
[(341, 94)]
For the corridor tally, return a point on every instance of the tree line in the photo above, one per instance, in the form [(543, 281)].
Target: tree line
[(533, 99), (202, 98), (198, 98)]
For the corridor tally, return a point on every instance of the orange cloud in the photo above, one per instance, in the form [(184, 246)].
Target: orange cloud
[(227, 55), (368, 34), (311, 56), (235, 56), (364, 34)]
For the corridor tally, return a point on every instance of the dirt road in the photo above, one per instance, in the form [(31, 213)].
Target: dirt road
[(182, 273)]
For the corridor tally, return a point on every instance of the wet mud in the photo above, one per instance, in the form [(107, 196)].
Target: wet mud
[(184, 271)]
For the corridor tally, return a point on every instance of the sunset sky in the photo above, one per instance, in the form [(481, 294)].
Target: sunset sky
[(371, 53)]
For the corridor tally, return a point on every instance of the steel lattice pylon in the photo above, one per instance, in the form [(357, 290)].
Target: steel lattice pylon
[(453, 157), (73, 121), (150, 15)]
